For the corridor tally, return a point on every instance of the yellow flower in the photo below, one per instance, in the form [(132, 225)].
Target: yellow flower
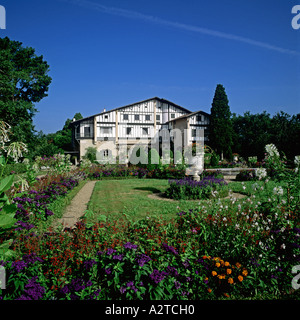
[(228, 271), (214, 273), (226, 264), (240, 278), (230, 280), (245, 272), (218, 264)]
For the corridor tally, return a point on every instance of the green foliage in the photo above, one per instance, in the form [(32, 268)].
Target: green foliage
[(90, 154), (214, 160), (253, 131), (24, 82), (15, 168)]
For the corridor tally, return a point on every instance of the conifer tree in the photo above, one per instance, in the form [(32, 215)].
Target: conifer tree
[(220, 137)]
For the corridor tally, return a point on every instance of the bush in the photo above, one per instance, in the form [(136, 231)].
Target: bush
[(90, 154), (188, 189), (214, 160), (17, 168)]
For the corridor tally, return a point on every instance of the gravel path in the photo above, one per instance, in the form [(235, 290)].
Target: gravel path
[(77, 206)]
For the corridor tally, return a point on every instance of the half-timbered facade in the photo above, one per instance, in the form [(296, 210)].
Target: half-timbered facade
[(135, 123)]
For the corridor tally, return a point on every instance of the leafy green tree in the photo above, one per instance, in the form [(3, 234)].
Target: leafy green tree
[(251, 133), (220, 138), (23, 82)]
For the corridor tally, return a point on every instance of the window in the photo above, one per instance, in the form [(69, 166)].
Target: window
[(172, 115), (199, 118), (147, 117), (125, 116), (128, 131), (105, 153), (145, 131), (136, 117), (158, 117), (106, 116), (87, 131), (193, 132), (106, 130)]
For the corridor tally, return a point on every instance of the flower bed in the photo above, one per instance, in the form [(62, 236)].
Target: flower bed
[(240, 249), (191, 257), (187, 188)]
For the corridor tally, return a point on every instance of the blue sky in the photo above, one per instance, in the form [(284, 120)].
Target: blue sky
[(109, 53)]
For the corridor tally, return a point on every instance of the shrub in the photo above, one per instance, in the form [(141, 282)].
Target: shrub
[(187, 189)]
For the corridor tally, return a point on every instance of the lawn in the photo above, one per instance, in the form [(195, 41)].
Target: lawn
[(130, 197)]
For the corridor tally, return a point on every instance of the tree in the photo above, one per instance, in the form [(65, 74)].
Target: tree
[(23, 82), (220, 137)]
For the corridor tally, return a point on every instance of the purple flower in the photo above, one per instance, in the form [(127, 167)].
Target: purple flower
[(33, 290), (110, 251), (123, 290), (19, 265), (158, 276), (118, 257), (107, 271), (172, 271), (89, 264), (182, 213), (177, 285), (142, 259), (186, 263), (129, 245), (169, 248)]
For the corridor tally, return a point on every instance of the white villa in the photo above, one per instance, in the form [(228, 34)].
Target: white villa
[(136, 123)]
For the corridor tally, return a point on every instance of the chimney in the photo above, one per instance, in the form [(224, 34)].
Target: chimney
[(104, 110)]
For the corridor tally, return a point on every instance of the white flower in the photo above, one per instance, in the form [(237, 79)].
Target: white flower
[(278, 191), (271, 150), (260, 173), (297, 161)]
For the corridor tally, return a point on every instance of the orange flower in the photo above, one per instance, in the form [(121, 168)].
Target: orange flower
[(214, 273), (226, 295), (221, 276), (226, 264), (245, 272), (240, 278), (218, 264), (209, 290), (228, 271), (204, 257), (238, 265), (230, 280)]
